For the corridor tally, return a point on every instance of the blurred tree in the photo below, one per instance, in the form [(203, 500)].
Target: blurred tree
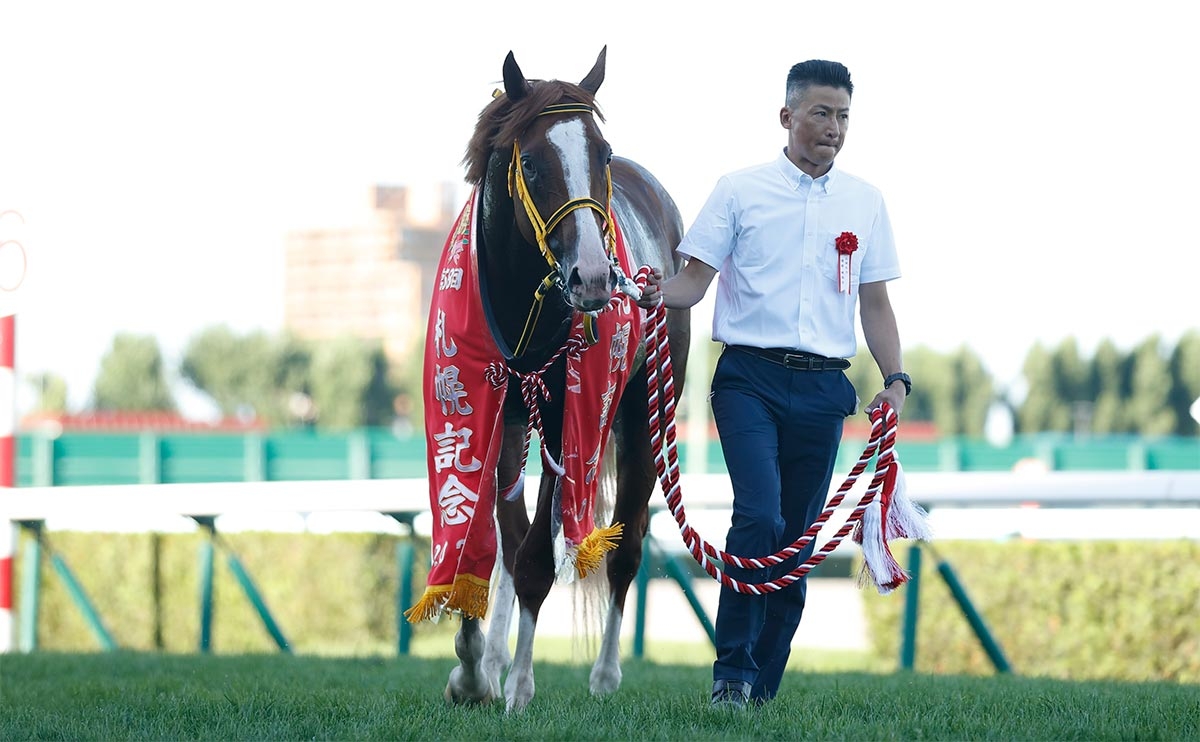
[(51, 390), (350, 384), (953, 391), (132, 377), (247, 376), (1185, 378), (256, 375), (1060, 397), (1110, 385), (1040, 409), (407, 380), (1149, 410)]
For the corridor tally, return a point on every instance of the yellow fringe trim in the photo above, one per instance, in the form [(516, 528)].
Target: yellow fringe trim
[(430, 604), (595, 545), (468, 595)]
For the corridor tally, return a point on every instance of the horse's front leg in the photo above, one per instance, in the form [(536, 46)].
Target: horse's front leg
[(513, 523), (468, 682), (623, 563), (635, 485), (533, 576)]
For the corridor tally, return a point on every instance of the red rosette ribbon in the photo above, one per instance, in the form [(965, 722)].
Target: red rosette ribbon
[(846, 243)]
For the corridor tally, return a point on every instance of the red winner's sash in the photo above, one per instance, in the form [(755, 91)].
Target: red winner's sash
[(465, 382)]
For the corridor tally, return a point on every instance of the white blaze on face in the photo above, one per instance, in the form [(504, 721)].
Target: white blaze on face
[(569, 140)]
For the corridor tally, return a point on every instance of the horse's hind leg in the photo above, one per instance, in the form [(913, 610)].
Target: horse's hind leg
[(468, 682)]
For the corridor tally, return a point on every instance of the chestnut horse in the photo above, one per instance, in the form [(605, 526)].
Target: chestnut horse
[(537, 151)]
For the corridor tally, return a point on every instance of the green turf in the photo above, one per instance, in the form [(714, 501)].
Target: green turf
[(125, 695)]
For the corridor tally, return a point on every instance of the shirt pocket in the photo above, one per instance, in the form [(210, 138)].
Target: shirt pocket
[(827, 260)]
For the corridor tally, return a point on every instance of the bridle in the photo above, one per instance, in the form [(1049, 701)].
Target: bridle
[(543, 227)]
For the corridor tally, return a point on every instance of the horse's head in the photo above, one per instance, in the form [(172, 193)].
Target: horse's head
[(560, 182)]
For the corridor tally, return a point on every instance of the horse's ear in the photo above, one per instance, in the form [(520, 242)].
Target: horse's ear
[(591, 83), (515, 85)]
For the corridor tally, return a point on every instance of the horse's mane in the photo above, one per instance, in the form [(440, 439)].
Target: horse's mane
[(502, 121)]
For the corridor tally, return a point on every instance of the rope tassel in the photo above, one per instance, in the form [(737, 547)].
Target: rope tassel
[(891, 515)]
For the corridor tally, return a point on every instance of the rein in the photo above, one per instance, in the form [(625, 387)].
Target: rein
[(879, 493), (543, 227)]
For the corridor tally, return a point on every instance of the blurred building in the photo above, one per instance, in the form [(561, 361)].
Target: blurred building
[(373, 280)]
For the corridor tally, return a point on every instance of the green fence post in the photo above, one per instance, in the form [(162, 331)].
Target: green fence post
[(254, 458), (1137, 457), (968, 609), (256, 599), (81, 601), (149, 459), (43, 461), (206, 581), (406, 551), (908, 643), (949, 455), (358, 450), (643, 586), (31, 586), (405, 558)]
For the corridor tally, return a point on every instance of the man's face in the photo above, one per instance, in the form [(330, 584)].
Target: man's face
[(817, 128)]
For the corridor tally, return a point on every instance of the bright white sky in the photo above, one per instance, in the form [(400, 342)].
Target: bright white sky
[(1038, 158)]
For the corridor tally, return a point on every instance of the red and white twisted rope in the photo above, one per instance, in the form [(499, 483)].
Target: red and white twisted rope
[(662, 436)]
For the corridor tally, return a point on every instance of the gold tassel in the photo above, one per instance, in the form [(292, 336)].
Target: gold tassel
[(430, 603), (595, 545), (470, 596)]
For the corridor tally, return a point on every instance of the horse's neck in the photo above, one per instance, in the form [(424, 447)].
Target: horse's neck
[(513, 269)]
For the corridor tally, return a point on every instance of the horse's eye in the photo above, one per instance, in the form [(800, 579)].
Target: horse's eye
[(527, 166)]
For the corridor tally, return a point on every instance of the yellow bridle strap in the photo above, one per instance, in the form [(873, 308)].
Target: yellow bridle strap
[(535, 311), (543, 227)]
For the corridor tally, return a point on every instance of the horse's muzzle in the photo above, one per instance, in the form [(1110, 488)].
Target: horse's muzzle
[(590, 293)]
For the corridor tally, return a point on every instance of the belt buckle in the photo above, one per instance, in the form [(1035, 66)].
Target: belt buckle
[(803, 363)]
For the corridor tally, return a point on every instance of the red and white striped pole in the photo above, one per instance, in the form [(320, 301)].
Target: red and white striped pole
[(8, 471), (12, 274)]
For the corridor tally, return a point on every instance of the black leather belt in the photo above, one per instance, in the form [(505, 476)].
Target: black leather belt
[(795, 359)]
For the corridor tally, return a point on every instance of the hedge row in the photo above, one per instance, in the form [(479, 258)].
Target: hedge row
[(329, 594), (1121, 610), (1081, 610)]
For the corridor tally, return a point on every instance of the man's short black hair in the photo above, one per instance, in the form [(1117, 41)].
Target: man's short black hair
[(804, 75)]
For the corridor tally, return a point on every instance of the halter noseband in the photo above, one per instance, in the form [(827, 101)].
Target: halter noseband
[(543, 227)]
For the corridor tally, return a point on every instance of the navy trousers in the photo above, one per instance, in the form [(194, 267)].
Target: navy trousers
[(779, 429)]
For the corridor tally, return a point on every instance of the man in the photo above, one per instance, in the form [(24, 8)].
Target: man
[(798, 243)]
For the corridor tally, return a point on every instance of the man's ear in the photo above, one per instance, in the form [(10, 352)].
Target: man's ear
[(785, 117)]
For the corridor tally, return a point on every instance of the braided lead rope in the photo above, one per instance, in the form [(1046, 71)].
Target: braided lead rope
[(533, 385), (667, 466)]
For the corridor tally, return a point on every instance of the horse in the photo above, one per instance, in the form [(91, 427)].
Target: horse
[(537, 151)]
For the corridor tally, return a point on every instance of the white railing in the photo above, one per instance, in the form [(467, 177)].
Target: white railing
[(1055, 504)]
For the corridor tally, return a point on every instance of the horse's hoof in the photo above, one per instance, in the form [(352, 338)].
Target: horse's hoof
[(461, 693), (464, 699), (604, 682)]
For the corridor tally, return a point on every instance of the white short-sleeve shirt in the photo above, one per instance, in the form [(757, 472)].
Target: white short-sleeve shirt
[(770, 231)]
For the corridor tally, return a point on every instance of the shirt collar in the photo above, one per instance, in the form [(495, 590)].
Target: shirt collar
[(798, 179)]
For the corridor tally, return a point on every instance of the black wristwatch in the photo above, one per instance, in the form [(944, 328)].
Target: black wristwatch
[(899, 377)]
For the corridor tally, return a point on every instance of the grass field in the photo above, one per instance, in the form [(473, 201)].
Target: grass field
[(118, 696)]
